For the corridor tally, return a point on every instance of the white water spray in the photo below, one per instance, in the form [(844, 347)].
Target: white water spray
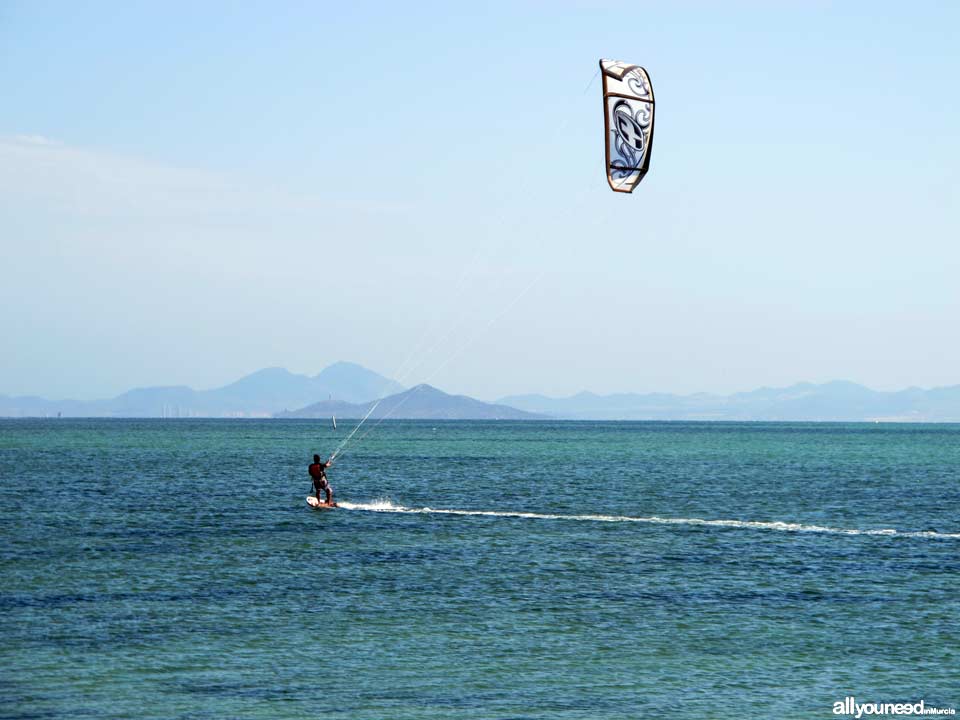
[(389, 507)]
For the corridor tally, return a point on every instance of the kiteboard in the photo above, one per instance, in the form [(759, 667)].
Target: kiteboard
[(317, 505)]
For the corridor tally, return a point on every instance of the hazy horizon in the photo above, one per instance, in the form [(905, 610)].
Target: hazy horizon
[(192, 193), (584, 389)]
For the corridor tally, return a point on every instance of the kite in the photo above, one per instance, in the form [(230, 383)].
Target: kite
[(627, 123)]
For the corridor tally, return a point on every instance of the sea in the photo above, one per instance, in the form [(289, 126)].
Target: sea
[(477, 570)]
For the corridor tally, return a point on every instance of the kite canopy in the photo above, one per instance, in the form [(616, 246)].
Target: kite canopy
[(627, 123)]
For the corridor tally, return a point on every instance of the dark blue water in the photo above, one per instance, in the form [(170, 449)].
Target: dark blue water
[(171, 569)]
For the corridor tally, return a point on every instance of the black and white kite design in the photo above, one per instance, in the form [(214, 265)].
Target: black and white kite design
[(627, 123)]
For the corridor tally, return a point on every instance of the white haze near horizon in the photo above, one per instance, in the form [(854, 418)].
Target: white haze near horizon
[(189, 194)]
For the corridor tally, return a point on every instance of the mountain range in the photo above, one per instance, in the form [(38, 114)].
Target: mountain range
[(348, 390), (837, 401), (260, 394)]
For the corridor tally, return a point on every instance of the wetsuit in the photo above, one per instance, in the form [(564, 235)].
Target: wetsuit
[(318, 473)]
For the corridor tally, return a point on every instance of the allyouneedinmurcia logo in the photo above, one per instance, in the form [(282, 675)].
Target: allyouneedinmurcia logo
[(849, 706)]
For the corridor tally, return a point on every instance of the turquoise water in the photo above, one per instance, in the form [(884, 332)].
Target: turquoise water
[(171, 569)]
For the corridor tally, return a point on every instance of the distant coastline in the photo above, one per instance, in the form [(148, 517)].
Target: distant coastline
[(347, 390)]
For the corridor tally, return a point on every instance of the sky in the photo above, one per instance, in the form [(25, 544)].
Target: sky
[(190, 192)]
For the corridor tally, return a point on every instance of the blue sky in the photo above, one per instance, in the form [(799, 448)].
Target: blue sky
[(190, 192)]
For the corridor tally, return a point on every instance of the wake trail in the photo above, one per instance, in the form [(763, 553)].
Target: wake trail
[(388, 507)]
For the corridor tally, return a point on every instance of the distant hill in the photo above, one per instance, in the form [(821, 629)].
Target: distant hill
[(348, 390), (837, 401), (421, 402), (261, 393)]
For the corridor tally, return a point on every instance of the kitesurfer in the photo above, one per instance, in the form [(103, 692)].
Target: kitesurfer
[(318, 472)]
